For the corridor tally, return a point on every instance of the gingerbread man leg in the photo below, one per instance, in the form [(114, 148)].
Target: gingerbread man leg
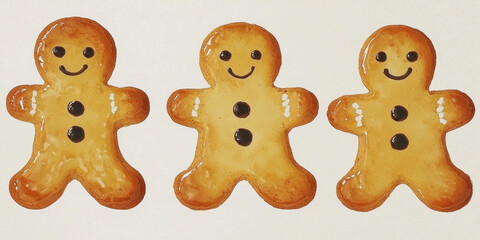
[(360, 189), (287, 189), (442, 187), (204, 187), (287, 185), (41, 182), (112, 182)]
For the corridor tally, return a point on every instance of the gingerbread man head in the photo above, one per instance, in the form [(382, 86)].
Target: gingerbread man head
[(397, 57), (73, 48), (227, 58)]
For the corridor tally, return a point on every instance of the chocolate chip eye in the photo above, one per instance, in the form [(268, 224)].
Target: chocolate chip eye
[(225, 55), (381, 57), (257, 55), (58, 51), (88, 52), (412, 56)]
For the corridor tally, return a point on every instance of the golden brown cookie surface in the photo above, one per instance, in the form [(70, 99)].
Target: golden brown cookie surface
[(76, 117), (401, 125), (243, 122)]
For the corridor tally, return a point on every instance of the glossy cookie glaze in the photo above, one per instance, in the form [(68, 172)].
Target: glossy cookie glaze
[(76, 116), (401, 125), (243, 122)]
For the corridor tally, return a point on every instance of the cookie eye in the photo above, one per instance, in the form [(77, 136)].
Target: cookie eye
[(412, 56), (257, 55), (225, 55), (58, 51), (381, 57), (88, 52)]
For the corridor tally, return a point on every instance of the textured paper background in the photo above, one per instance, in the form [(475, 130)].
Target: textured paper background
[(158, 44)]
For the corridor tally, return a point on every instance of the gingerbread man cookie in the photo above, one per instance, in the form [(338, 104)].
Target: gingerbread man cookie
[(76, 116), (401, 125), (243, 122)]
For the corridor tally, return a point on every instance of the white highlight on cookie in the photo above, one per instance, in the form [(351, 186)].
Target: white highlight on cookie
[(113, 106), (365, 56), (195, 107), (21, 99), (34, 103), (43, 123), (286, 105), (359, 112), (350, 177), (45, 36), (99, 181), (36, 157), (440, 112)]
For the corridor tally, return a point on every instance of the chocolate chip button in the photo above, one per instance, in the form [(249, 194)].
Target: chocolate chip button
[(76, 134), (399, 141), (243, 137), (241, 109), (399, 113), (76, 108)]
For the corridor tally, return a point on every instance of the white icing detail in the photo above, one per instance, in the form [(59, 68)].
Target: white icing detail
[(195, 107), (194, 113), (287, 111), (286, 104), (34, 103), (40, 59), (359, 113), (46, 87), (38, 50), (21, 104), (440, 112), (113, 106)]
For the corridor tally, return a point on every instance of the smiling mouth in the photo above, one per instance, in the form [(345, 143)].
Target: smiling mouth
[(66, 72), (387, 73), (241, 77)]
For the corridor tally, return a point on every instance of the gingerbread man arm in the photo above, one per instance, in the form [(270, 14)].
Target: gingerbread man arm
[(300, 106), (346, 113), (454, 108), (183, 106), (22, 102), (129, 105)]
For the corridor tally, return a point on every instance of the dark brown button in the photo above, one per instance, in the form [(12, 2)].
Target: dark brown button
[(76, 108), (399, 113), (243, 137), (241, 109), (76, 134), (399, 141)]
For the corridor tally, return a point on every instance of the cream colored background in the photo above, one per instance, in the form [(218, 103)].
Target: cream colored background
[(158, 44)]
